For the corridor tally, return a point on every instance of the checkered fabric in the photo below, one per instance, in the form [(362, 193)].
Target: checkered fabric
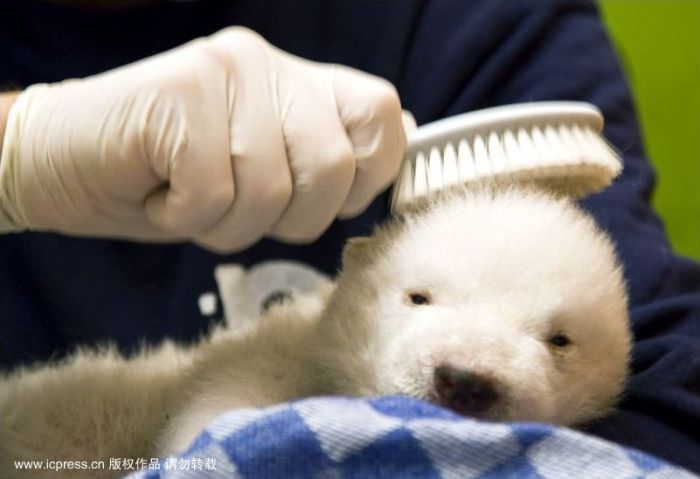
[(396, 437)]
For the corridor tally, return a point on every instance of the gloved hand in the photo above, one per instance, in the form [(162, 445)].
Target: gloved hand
[(221, 140)]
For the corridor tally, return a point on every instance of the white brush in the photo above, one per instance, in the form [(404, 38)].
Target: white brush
[(555, 144)]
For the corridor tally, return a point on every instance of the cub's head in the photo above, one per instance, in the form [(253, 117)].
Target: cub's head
[(504, 305)]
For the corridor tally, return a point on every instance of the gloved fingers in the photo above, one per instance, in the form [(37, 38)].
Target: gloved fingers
[(263, 190), (371, 112), (320, 156), (321, 181), (199, 189), (261, 174), (187, 142)]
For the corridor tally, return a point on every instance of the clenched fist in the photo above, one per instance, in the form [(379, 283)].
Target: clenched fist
[(221, 141)]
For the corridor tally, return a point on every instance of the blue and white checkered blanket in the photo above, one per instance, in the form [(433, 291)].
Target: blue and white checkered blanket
[(395, 437)]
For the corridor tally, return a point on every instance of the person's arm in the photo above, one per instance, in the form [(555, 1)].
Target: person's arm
[(222, 141), (6, 101)]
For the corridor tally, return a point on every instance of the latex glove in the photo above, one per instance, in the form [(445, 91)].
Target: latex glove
[(222, 140)]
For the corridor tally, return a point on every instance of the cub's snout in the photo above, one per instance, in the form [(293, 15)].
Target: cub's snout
[(464, 391)]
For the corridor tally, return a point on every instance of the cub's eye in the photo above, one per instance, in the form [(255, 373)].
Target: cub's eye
[(559, 340), (419, 298)]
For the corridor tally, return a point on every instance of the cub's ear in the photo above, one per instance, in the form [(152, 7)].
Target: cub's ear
[(357, 250)]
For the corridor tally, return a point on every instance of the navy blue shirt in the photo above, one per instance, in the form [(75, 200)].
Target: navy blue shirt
[(445, 57)]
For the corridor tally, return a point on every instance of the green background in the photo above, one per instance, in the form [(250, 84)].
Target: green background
[(659, 45)]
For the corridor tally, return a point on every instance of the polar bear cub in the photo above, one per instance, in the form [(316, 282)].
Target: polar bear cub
[(498, 303)]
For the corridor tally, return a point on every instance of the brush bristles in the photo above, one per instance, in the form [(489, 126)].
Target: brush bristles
[(573, 159)]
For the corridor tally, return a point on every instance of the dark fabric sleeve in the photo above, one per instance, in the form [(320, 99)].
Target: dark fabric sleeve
[(470, 55)]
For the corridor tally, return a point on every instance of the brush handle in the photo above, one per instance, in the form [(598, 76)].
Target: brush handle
[(511, 117), (556, 145)]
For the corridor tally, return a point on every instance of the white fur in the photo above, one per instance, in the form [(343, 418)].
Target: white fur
[(505, 270)]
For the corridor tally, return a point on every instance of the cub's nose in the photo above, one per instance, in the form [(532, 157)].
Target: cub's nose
[(463, 391)]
